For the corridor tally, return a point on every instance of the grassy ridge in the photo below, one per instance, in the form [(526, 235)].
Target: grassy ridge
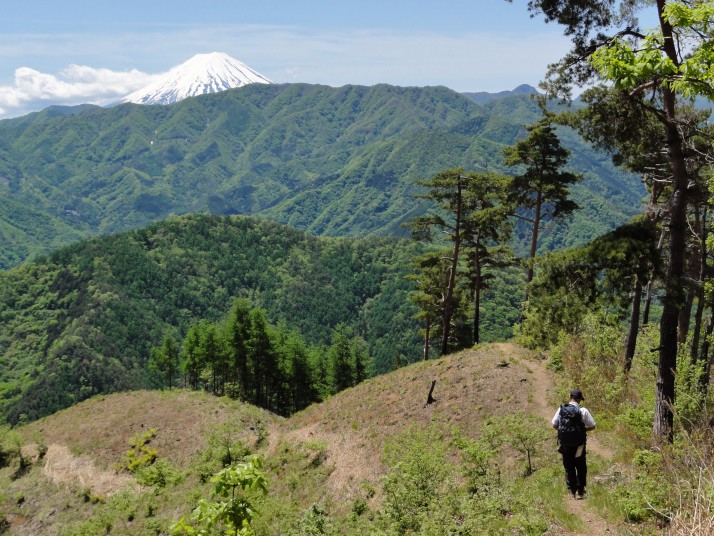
[(334, 464), (374, 459)]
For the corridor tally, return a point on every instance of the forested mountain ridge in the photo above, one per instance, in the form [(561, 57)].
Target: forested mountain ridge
[(334, 161), (83, 320)]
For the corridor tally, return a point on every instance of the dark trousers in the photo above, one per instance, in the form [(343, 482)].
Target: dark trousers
[(576, 469)]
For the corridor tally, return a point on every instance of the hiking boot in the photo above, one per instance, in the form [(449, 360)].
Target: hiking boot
[(581, 494)]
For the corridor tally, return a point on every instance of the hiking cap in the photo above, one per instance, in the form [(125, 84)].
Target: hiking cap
[(576, 394)]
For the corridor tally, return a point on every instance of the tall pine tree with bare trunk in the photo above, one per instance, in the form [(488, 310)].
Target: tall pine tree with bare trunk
[(542, 189)]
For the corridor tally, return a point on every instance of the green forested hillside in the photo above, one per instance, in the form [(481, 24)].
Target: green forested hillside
[(334, 161), (83, 320)]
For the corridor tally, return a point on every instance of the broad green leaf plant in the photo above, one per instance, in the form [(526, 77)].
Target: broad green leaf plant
[(231, 511), (634, 67)]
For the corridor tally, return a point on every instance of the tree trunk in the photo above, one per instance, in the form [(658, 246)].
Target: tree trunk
[(704, 356), (427, 334), (534, 236), (701, 303), (674, 281), (634, 326), (449, 298), (685, 313), (477, 301), (672, 300), (648, 298), (698, 315), (430, 398), (648, 302)]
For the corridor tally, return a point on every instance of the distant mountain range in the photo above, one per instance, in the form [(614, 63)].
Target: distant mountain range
[(483, 97), (332, 161), (217, 71), (202, 74)]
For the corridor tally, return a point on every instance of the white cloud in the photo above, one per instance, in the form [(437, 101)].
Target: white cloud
[(76, 84)]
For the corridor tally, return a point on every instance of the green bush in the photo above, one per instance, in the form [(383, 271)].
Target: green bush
[(231, 510), (418, 478), (224, 448), (140, 455), (159, 475), (646, 495), (689, 395), (10, 445), (315, 521), (481, 469)]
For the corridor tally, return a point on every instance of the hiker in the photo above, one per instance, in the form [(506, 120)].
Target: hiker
[(572, 422)]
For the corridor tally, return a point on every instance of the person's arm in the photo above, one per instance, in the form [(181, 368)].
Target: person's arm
[(588, 420), (556, 418)]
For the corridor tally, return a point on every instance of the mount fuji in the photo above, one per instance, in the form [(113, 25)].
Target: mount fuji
[(203, 73)]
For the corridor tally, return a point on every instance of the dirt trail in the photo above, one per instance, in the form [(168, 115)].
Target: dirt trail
[(542, 383)]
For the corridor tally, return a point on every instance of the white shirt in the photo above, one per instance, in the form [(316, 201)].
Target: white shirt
[(588, 420)]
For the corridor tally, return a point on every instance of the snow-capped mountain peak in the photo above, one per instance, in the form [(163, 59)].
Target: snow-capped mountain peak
[(204, 73)]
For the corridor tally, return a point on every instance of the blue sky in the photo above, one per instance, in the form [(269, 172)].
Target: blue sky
[(93, 51)]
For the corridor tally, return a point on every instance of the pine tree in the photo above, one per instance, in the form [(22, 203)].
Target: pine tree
[(166, 359), (542, 188), (238, 334), (447, 189), (300, 376), (487, 230), (659, 69), (360, 356), (192, 361), (430, 284), (340, 358), (471, 213), (262, 360), (214, 357)]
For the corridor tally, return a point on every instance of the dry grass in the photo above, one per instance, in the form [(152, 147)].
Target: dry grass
[(63, 467), (354, 425), (103, 427), (347, 433), (697, 518), (471, 386)]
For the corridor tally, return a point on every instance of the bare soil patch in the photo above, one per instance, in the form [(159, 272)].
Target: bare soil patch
[(63, 467)]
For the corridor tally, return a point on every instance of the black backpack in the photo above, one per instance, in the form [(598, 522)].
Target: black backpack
[(571, 429)]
